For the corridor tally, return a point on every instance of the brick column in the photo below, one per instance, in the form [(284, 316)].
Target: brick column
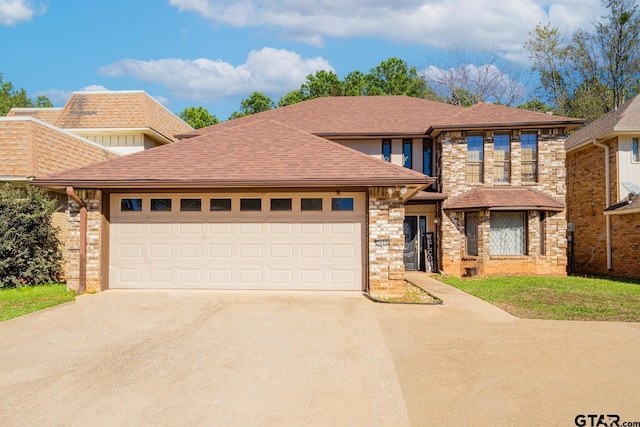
[(386, 242), (93, 200)]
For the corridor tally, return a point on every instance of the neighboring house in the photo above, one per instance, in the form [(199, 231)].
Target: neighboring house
[(124, 121), (91, 127), (603, 179), (339, 193)]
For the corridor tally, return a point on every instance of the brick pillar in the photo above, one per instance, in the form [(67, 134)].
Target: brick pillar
[(386, 242), (93, 200)]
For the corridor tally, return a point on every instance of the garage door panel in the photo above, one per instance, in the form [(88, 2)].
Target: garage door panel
[(213, 250), (160, 250), (220, 251), (190, 251)]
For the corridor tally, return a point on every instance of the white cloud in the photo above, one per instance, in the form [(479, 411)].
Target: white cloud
[(440, 23), (14, 11), (271, 71), (94, 88)]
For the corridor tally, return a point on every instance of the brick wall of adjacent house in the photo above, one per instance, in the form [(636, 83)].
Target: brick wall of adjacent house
[(93, 200), (625, 245), (551, 181), (386, 242), (586, 203)]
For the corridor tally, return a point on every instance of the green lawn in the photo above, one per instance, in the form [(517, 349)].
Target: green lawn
[(18, 302), (562, 298)]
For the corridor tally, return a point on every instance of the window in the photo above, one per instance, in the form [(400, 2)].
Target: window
[(220, 205), (250, 204), (130, 205), (342, 204), (190, 205), (160, 205), (501, 157), (280, 204), (529, 144), (543, 234), (407, 151), (427, 156), (475, 158), (508, 233), (634, 150), (386, 150), (311, 204), (471, 232)]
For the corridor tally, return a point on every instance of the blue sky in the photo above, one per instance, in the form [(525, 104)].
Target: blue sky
[(213, 53)]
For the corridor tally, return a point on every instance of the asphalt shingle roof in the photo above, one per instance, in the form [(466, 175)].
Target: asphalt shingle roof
[(30, 147), (258, 153), (504, 198), (625, 118)]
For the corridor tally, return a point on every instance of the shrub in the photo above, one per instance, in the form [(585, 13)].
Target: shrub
[(29, 246)]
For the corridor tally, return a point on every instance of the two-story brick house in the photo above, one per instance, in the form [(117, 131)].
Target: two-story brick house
[(387, 183), (603, 180)]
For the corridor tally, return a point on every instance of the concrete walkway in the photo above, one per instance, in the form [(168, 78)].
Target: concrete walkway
[(250, 358)]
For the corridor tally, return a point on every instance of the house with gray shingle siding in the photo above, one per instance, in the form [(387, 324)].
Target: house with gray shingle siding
[(341, 193)]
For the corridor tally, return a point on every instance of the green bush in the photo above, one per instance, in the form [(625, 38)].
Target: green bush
[(29, 246)]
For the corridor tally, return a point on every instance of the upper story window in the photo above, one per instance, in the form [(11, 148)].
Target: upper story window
[(407, 151), (427, 157), (634, 150), (386, 150), (529, 144), (501, 157), (475, 158)]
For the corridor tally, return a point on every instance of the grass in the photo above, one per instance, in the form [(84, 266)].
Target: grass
[(21, 301), (560, 298)]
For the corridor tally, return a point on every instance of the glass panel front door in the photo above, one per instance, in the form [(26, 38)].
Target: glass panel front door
[(411, 245)]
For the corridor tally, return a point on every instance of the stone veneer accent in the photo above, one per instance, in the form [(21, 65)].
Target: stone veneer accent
[(551, 181), (93, 200), (386, 221)]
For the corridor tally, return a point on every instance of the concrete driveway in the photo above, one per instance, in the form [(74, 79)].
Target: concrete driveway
[(224, 359)]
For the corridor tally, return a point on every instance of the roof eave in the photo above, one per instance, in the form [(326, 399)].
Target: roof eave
[(300, 183), (568, 124), (506, 208)]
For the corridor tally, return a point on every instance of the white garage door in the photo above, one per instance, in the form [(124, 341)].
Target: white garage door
[(248, 241)]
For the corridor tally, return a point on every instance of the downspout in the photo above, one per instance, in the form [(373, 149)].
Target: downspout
[(607, 218), (82, 286)]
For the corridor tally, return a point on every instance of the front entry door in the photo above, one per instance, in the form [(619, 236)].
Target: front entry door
[(411, 245)]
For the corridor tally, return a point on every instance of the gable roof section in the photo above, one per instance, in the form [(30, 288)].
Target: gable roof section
[(504, 198), (484, 115), (353, 116), (261, 153), (120, 110), (48, 115), (31, 148), (625, 119)]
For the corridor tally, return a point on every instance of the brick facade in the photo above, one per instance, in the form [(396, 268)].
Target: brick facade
[(551, 182), (586, 204), (93, 200), (386, 242)]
